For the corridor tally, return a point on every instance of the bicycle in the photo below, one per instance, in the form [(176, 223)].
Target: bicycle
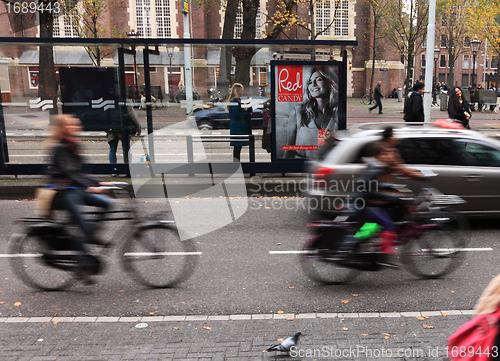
[(152, 252), (431, 237), (366, 99)]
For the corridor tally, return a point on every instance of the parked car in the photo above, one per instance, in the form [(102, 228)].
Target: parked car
[(218, 117), (467, 164)]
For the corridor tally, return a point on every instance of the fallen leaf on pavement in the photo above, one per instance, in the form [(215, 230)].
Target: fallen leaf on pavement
[(345, 328), (175, 328), (342, 319), (445, 314), (315, 302), (55, 322), (17, 304), (387, 337), (364, 334), (280, 339), (151, 313), (207, 328), (387, 334), (1, 303), (280, 312), (427, 326), (345, 301), (419, 318), (279, 244), (289, 318), (291, 287), (122, 290), (355, 294), (452, 291)]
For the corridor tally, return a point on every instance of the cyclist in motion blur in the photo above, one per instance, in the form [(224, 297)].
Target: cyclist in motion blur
[(383, 161), (74, 188)]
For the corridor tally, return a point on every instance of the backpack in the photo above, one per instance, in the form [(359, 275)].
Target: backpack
[(475, 340)]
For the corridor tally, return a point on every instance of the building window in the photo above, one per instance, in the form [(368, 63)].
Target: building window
[(494, 63), (467, 42), (442, 61), (33, 77), (163, 22), (342, 19), (323, 17), (444, 41), (143, 18), (466, 64), (64, 25), (328, 16), (423, 61)]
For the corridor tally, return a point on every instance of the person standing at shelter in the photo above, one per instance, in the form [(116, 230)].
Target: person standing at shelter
[(414, 106), (239, 124), (133, 127), (377, 95), (458, 107)]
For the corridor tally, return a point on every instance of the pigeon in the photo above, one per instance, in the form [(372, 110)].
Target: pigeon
[(287, 344)]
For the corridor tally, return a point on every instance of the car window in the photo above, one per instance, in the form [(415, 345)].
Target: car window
[(432, 151), (478, 154)]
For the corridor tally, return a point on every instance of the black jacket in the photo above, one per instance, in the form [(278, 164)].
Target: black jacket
[(456, 110), (377, 93), (66, 165), (414, 108)]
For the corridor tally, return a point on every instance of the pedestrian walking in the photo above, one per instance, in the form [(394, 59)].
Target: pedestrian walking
[(240, 120), (377, 95), (414, 106)]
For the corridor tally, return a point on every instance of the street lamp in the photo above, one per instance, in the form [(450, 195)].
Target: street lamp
[(437, 52), (132, 34), (474, 44), (170, 52)]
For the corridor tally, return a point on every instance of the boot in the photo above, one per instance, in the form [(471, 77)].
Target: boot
[(388, 245), (388, 249)]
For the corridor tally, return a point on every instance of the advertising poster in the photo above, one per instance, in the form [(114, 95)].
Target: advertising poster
[(306, 106)]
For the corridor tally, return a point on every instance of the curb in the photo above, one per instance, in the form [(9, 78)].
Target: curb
[(237, 317)]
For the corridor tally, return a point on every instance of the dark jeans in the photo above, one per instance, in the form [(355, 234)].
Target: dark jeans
[(378, 103), (71, 200), (113, 147), (237, 153)]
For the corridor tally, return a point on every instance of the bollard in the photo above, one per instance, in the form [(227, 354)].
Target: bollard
[(400, 95), (443, 97)]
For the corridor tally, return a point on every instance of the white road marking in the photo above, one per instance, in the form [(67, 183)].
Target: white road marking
[(437, 249)]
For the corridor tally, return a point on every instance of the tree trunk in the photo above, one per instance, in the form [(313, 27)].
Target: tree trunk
[(47, 86), (224, 81), (244, 55)]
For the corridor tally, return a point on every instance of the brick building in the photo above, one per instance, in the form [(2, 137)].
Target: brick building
[(164, 19)]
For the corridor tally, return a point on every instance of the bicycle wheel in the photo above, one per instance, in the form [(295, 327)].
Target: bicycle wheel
[(366, 99), (321, 269), (28, 259), (434, 253), (157, 258)]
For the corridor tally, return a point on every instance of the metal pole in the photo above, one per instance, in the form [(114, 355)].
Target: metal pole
[(187, 65), (149, 113), (4, 151), (431, 34), (473, 69)]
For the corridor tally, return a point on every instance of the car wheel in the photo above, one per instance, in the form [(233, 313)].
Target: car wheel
[(205, 125)]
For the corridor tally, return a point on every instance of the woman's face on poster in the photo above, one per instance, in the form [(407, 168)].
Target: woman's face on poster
[(316, 85)]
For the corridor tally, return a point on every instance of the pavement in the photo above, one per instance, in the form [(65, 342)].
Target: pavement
[(350, 336)]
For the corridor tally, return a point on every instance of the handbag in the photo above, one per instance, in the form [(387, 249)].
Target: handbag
[(43, 205), (475, 340)]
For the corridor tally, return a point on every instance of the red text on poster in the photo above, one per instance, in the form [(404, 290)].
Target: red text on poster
[(290, 83)]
